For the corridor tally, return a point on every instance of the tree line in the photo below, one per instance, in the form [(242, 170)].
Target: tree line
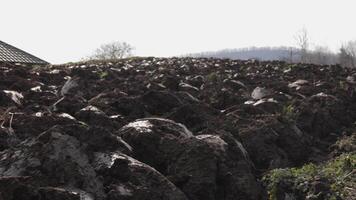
[(302, 53), (346, 56)]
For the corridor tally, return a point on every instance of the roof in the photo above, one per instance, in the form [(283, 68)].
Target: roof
[(12, 54)]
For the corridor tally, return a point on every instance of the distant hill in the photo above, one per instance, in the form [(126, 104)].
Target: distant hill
[(289, 54), (260, 53)]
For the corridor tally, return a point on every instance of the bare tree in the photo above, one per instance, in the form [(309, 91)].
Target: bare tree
[(291, 54), (302, 40), (113, 50), (321, 55), (347, 54)]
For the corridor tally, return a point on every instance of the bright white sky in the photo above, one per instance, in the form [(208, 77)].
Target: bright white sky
[(68, 30)]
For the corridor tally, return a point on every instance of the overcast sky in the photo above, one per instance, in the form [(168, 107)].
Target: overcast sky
[(67, 30)]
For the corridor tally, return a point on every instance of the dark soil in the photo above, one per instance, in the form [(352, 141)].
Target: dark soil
[(167, 128)]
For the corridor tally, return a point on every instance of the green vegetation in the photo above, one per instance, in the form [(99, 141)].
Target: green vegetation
[(338, 177), (290, 66), (213, 77), (346, 143), (104, 74), (289, 113)]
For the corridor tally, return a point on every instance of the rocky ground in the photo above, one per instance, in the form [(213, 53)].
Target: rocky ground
[(177, 129)]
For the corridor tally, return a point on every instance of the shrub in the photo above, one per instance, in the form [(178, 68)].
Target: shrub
[(339, 174)]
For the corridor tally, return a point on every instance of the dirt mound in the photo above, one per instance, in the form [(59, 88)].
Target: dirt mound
[(176, 128)]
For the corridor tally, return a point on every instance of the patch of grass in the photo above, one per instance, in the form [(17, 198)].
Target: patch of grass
[(338, 174), (289, 66), (289, 113), (213, 77), (273, 179), (346, 143), (104, 74)]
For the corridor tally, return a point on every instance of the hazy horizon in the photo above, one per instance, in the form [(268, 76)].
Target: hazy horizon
[(64, 31)]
